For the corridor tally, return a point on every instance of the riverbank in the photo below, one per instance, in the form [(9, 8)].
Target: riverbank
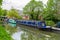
[(3, 34)]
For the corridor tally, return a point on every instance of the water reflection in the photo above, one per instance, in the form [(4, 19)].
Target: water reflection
[(28, 33), (27, 36), (17, 35)]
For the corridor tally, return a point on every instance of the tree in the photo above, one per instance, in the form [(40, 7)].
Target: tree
[(0, 11), (1, 2), (33, 9), (3, 12), (13, 13), (0, 6), (58, 9), (50, 10)]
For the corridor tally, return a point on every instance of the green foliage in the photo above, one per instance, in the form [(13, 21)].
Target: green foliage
[(0, 11), (50, 23), (4, 35), (3, 12), (57, 9), (33, 9), (1, 2), (50, 10), (0, 6), (13, 13)]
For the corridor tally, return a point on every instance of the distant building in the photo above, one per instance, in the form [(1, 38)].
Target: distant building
[(26, 17)]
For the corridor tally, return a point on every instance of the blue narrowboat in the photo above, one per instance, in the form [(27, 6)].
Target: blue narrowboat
[(37, 24)]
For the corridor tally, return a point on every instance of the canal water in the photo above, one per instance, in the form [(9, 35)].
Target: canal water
[(21, 32)]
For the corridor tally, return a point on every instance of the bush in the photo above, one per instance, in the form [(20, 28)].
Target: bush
[(50, 23), (4, 35)]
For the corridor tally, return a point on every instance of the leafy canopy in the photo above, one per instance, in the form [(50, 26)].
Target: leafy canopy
[(13, 13), (33, 9)]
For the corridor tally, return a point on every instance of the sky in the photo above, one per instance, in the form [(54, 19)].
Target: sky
[(17, 4)]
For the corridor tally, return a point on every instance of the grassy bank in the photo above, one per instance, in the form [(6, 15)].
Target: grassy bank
[(3, 34)]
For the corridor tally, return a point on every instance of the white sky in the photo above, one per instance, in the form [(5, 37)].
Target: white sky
[(17, 4)]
